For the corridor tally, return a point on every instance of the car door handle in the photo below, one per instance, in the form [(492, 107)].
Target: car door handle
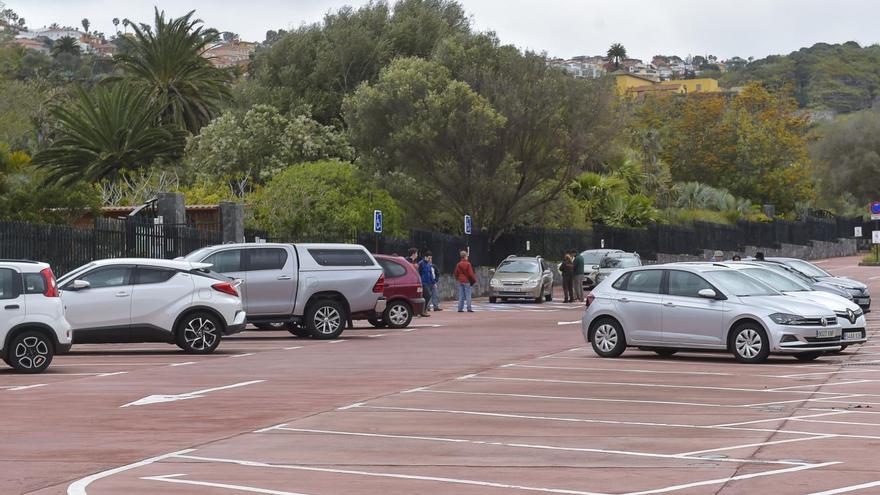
[(624, 299), (12, 306), (122, 294), (284, 277), (669, 305)]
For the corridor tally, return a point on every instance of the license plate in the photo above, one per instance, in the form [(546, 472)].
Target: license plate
[(822, 334), (852, 335), (863, 301), (514, 289)]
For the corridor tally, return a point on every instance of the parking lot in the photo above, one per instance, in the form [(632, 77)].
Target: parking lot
[(506, 400)]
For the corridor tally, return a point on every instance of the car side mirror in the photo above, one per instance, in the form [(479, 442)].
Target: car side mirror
[(708, 294), (595, 267), (80, 285), (491, 271)]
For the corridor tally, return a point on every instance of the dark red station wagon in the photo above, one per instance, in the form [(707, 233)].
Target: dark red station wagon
[(403, 292)]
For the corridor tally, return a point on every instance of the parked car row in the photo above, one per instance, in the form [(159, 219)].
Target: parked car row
[(751, 309), (313, 290)]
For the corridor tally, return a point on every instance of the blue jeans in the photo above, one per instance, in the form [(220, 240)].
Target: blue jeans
[(464, 294), (435, 298)]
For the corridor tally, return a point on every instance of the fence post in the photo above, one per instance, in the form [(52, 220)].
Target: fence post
[(231, 221)]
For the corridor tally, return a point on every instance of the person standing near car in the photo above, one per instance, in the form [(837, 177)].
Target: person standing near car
[(413, 257), (578, 280), (426, 273), (567, 269), (464, 275), (435, 292)]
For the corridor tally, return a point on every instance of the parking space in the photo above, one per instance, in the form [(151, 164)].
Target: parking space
[(506, 401)]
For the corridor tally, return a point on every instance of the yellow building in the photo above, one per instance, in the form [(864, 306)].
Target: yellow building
[(637, 86)]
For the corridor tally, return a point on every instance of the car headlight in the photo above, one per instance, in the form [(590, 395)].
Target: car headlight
[(787, 319), (530, 284), (495, 282)]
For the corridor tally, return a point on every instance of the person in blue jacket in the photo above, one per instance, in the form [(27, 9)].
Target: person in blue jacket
[(426, 272)]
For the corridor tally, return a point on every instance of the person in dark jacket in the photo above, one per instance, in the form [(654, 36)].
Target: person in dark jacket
[(567, 269), (578, 280), (426, 273), (464, 274)]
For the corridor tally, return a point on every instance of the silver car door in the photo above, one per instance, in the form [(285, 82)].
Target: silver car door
[(688, 319), (271, 280), (639, 306)]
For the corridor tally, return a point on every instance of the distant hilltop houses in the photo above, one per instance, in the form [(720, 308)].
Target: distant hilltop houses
[(231, 52)]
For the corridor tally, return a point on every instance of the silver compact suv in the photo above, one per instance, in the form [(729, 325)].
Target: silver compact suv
[(667, 308), (32, 324), (521, 277)]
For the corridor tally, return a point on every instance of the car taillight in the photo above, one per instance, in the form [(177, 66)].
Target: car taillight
[(590, 298), (226, 288), (49, 279), (419, 290), (380, 285)]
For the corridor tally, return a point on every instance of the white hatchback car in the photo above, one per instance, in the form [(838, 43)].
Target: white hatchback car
[(150, 300), (32, 325), (666, 308)]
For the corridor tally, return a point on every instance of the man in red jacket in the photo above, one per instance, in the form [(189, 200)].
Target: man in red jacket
[(464, 273)]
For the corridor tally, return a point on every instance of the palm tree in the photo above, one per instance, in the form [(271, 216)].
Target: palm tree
[(617, 54), (125, 23), (85, 25), (168, 64), (106, 132), (65, 44), (116, 24)]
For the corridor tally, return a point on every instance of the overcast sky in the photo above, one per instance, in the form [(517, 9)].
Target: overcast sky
[(562, 28)]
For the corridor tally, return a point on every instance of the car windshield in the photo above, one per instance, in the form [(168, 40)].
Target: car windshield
[(592, 257), (518, 266), (198, 254), (741, 285), (71, 275), (790, 272), (620, 262), (778, 281), (809, 268)]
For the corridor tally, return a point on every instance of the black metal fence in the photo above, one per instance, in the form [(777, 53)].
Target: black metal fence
[(66, 247)]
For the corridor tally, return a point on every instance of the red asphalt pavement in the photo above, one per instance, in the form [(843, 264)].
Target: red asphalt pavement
[(505, 400)]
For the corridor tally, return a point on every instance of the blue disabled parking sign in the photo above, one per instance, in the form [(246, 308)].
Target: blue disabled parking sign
[(377, 221), (468, 225)]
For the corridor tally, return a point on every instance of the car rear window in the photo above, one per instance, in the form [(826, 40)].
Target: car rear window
[(392, 269), (34, 283), (341, 257), (266, 259), (152, 275)]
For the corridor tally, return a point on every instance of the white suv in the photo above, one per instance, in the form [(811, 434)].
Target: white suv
[(32, 325), (150, 300)]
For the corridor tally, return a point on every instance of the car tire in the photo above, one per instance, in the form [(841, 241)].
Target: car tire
[(398, 314), (607, 338), (540, 298), (807, 356), (493, 300), (326, 319), (198, 333), (377, 322), (30, 352), (749, 343), (549, 297), (665, 352)]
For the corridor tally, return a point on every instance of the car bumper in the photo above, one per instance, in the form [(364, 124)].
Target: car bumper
[(237, 324), (795, 339), (418, 305), (510, 292), (63, 348), (864, 302), (381, 304), (852, 336)]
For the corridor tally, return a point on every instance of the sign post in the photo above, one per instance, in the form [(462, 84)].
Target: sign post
[(875, 216), (468, 230), (377, 227), (857, 232)]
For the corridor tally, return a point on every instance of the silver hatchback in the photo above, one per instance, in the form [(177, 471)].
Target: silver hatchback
[(667, 308)]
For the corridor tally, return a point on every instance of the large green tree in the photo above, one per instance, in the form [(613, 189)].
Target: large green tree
[(166, 62), (250, 148), (105, 132), (846, 157), (318, 64)]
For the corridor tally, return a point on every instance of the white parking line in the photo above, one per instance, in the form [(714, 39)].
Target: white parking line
[(293, 347), (78, 487), (627, 370), (759, 444), (175, 478), (242, 355), (187, 363), (26, 387), (731, 478), (789, 418), (560, 323), (848, 489)]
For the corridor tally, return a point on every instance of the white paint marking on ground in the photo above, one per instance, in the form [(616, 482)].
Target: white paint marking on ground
[(852, 423), (806, 399), (851, 382), (535, 446), (466, 377), (270, 428), (187, 363), (242, 355), (561, 323), (157, 399), (732, 478), (293, 347), (78, 487), (389, 475), (374, 336), (759, 444), (417, 389), (657, 372), (350, 406), (818, 373), (789, 418), (847, 489), (26, 387), (175, 478), (337, 341), (113, 373)]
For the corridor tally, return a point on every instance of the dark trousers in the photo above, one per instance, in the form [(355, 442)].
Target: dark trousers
[(568, 288)]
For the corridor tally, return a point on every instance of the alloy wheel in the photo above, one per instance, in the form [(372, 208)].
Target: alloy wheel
[(748, 343), (200, 334), (31, 353), (327, 320), (398, 314), (606, 337)]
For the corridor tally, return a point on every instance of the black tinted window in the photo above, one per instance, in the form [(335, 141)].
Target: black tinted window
[(34, 283), (392, 269), (620, 284), (266, 259), (645, 281), (686, 284), (341, 257), (107, 277), (225, 261), (153, 275), (8, 283)]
